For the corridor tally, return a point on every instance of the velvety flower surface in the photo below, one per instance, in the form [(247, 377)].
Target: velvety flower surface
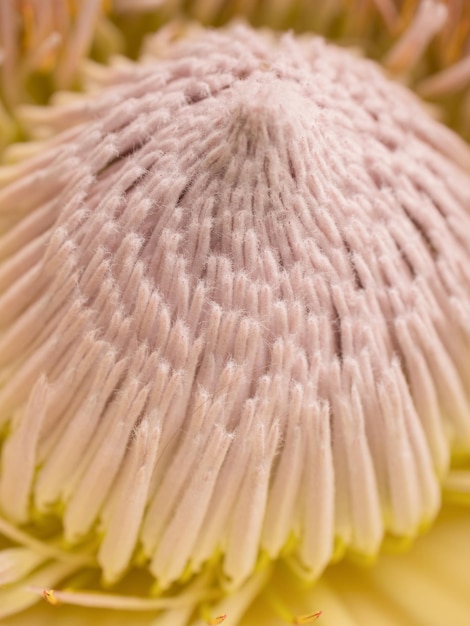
[(235, 295), (43, 42)]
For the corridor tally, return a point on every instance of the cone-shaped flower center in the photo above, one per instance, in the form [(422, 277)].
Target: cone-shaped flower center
[(234, 307)]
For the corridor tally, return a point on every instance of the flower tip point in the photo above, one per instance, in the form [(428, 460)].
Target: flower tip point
[(49, 595), (217, 620), (306, 619)]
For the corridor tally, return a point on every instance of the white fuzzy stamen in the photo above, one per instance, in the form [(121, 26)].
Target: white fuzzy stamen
[(249, 265)]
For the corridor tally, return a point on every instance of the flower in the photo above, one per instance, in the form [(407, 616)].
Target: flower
[(249, 258), (428, 585), (43, 42)]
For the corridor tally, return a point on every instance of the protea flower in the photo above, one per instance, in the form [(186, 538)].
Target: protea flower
[(234, 300), (43, 42)]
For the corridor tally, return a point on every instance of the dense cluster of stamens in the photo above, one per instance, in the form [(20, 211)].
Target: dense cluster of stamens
[(43, 42), (250, 263)]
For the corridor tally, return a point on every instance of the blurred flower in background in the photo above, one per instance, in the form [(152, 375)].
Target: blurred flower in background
[(234, 303)]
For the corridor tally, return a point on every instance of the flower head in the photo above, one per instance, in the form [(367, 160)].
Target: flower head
[(43, 42), (249, 259)]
